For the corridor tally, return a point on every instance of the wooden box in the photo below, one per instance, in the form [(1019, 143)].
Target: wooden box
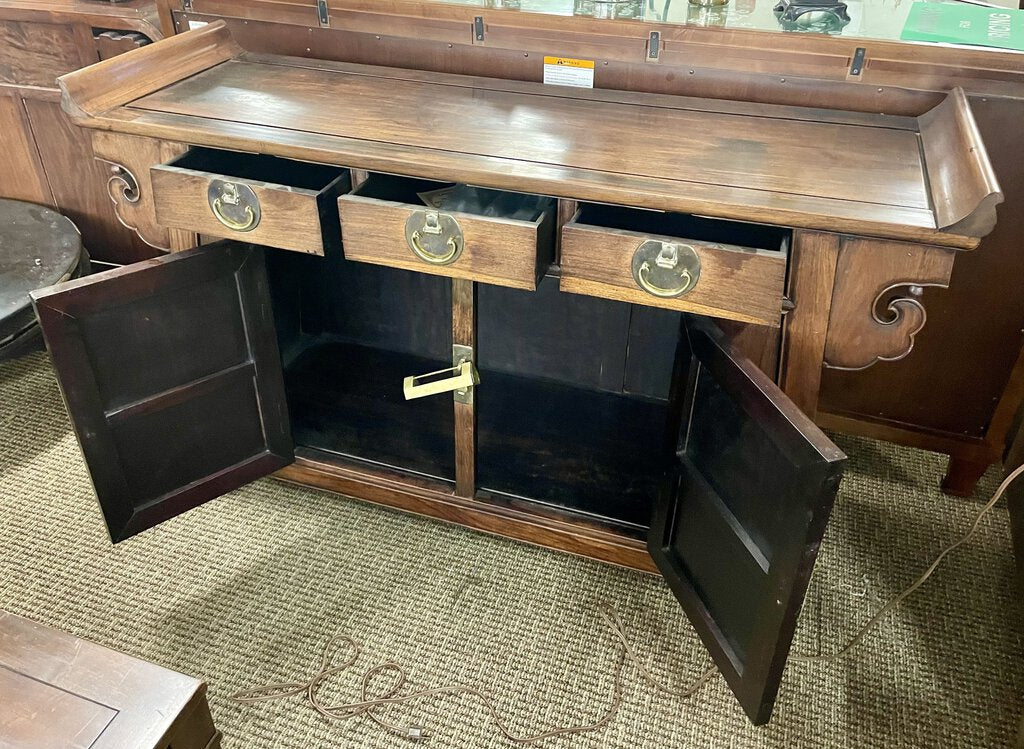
[(58, 690)]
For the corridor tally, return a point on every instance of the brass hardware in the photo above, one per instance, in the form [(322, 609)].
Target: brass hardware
[(665, 269), (434, 237), (464, 378), (233, 204)]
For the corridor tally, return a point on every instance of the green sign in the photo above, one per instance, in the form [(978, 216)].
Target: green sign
[(961, 23)]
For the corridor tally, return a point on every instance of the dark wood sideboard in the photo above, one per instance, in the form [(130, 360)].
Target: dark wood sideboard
[(576, 320), (957, 389)]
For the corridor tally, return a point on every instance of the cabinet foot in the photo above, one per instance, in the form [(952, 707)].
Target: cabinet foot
[(962, 476)]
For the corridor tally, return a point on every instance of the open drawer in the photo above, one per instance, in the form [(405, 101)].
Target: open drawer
[(256, 198), (498, 237), (676, 261)]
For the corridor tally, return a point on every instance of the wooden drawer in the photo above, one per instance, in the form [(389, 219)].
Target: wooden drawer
[(676, 261), (265, 200), (384, 221)]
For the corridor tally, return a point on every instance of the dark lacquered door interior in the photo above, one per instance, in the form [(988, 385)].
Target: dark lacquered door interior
[(172, 378), (738, 521)]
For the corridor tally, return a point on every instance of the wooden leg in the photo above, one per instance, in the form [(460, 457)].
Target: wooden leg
[(812, 277), (962, 476)]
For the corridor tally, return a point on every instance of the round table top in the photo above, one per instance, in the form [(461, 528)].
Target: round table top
[(38, 247)]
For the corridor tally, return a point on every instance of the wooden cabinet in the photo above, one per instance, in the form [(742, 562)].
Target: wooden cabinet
[(958, 386), (172, 375), (595, 406), (44, 158)]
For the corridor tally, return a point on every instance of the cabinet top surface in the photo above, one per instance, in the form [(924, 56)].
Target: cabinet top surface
[(793, 166)]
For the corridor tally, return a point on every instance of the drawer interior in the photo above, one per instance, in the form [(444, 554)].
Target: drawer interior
[(259, 168), (685, 226), (348, 334), (477, 200), (573, 401)]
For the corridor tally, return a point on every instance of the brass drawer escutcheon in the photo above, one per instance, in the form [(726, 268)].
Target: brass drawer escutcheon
[(234, 204), (434, 237), (665, 269)]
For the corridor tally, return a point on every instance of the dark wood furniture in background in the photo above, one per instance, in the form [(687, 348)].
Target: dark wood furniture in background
[(38, 247), (43, 158), (581, 278), (58, 690), (957, 389)]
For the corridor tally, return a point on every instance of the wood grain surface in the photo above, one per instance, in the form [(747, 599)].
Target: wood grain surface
[(437, 501), (762, 153), (499, 251), (811, 281), (851, 173), (873, 317), (117, 81), (964, 187), (119, 154), (21, 170), (35, 54), (290, 216), (735, 283), (101, 698)]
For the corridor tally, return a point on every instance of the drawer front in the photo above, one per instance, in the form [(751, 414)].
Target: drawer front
[(718, 280), (222, 205), (499, 251)]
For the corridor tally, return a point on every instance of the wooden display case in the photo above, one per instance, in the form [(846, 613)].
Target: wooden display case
[(576, 286)]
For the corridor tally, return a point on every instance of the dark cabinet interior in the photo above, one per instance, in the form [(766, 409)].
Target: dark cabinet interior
[(349, 333), (573, 403), (192, 374)]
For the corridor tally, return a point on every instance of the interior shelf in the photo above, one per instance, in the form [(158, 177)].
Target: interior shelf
[(346, 399), (587, 451)]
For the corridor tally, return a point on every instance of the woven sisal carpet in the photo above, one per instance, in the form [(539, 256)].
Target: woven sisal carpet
[(245, 590)]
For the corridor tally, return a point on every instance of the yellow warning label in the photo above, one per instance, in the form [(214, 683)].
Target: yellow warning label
[(566, 71), (569, 62)]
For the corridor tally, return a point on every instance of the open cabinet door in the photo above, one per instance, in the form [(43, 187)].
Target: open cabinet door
[(737, 526), (171, 375)]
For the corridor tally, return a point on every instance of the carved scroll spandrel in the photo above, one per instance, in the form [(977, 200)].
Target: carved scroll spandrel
[(877, 302), (128, 158)]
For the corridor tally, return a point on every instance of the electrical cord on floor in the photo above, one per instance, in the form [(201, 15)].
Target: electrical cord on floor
[(910, 589), (365, 704)]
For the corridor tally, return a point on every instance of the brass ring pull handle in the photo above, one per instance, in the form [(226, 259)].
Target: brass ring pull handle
[(234, 205), (424, 254), (434, 237), (665, 269), (643, 278), (250, 217)]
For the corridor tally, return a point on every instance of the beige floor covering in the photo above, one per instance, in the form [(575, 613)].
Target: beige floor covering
[(245, 590)]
